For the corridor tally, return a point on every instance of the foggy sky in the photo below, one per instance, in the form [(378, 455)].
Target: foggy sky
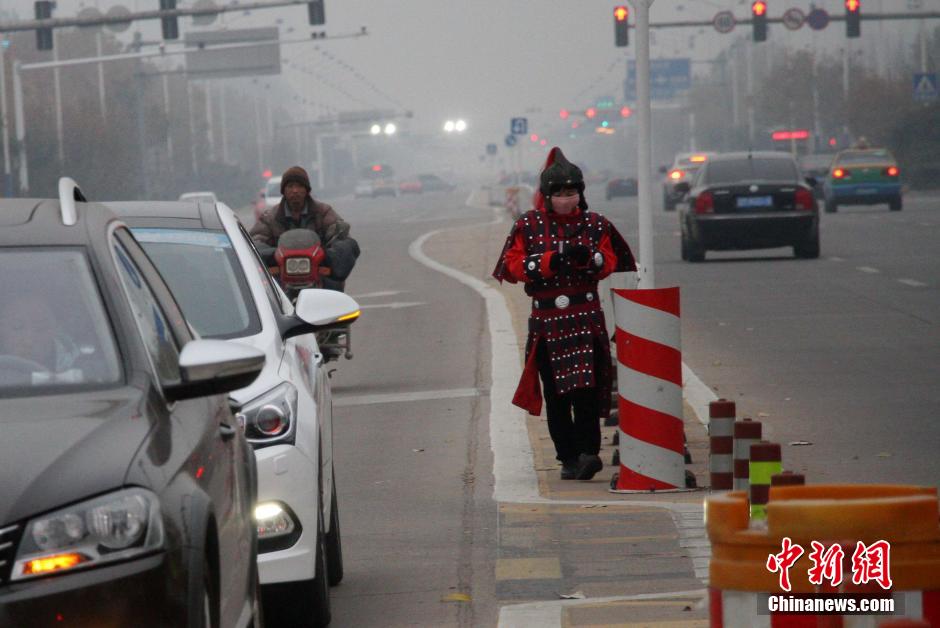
[(488, 60)]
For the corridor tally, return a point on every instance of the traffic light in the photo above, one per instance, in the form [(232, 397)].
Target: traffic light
[(759, 20), (563, 114), (317, 12), (43, 35), (853, 18), (621, 26), (170, 25)]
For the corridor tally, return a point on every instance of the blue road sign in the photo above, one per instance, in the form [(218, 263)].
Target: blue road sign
[(491, 149), (510, 140), (818, 19), (668, 77), (925, 87), (519, 126)]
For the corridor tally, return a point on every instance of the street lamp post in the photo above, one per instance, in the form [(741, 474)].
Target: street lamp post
[(645, 274)]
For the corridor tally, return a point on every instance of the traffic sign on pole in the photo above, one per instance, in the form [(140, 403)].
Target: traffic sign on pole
[(724, 22), (491, 149), (925, 87), (793, 19), (519, 126), (818, 19), (510, 140)]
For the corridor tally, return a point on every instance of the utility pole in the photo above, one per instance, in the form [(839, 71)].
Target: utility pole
[(192, 130), (102, 101), (58, 103), (645, 273), (7, 167)]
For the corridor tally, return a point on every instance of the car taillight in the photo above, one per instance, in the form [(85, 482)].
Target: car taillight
[(892, 171), (675, 175), (705, 203), (839, 173), (804, 200)]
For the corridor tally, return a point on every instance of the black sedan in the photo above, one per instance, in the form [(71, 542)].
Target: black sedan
[(126, 484), (621, 187), (742, 201)]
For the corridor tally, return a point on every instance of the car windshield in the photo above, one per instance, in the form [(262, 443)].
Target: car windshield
[(864, 156), (202, 269), (273, 188), (55, 335), (750, 169)]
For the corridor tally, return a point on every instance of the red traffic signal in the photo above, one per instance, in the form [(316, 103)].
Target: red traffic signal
[(563, 114), (759, 8), (626, 112), (759, 20), (853, 5), (621, 26), (267, 174), (621, 13), (853, 18), (591, 112)]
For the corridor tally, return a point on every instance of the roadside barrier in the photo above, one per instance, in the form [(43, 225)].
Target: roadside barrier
[(649, 366), (721, 424), (787, 478), (746, 433), (765, 463), (905, 518)]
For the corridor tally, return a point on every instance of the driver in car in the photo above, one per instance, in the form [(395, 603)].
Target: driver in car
[(30, 335)]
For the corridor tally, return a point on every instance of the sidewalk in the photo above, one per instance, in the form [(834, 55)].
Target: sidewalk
[(627, 560)]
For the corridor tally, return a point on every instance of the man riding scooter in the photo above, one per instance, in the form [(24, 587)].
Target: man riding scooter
[(302, 227)]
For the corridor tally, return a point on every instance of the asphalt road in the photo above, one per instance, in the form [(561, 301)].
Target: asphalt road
[(842, 352), (414, 472)]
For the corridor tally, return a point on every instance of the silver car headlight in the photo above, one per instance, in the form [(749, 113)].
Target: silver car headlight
[(117, 526), (272, 417), (298, 266)]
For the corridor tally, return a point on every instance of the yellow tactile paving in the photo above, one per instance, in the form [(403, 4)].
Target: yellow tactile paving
[(528, 568)]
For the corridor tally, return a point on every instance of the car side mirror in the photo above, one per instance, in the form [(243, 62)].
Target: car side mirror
[(210, 367), (663, 169), (317, 310), (682, 187), (812, 181)]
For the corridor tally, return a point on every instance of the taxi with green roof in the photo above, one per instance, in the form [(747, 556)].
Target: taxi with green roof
[(863, 176)]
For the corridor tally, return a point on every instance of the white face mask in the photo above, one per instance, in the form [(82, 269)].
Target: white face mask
[(564, 205)]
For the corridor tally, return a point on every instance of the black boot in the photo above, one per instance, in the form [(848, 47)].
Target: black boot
[(569, 469), (588, 466)]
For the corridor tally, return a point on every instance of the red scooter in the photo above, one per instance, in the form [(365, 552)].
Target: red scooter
[(300, 261)]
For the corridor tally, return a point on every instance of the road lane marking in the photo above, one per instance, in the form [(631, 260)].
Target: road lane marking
[(868, 269), (417, 395), (913, 283), (381, 293), (395, 306), (837, 259)]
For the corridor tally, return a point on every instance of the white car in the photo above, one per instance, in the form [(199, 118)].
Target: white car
[(272, 192), (225, 291), (199, 197)]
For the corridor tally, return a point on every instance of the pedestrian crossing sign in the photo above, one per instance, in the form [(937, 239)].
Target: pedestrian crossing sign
[(925, 87)]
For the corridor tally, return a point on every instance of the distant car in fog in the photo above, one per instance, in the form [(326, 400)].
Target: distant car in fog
[(863, 177), (434, 183), (621, 187), (363, 189), (272, 192), (742, 201), (199, 197), (410, 186), (683, 169)]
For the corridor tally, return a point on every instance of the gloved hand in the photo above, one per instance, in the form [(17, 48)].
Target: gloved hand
[(558, 261), (579, 254)]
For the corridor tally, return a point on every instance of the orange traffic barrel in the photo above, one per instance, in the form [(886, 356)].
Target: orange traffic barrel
[(744, 573)]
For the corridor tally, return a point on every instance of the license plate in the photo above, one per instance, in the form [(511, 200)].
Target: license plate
[(755, 201), (866, 191)]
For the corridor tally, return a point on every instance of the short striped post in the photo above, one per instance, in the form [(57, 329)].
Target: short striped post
[(765, 463), (720, 443), (746, 433), (649, 377)]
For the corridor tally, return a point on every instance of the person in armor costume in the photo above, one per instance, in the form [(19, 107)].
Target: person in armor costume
[(560, 250)]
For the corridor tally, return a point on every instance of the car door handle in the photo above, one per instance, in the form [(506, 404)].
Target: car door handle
[(226, 431)]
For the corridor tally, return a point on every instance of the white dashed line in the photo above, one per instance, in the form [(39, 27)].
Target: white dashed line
[(868, 269), (836, 259), (913, 283)]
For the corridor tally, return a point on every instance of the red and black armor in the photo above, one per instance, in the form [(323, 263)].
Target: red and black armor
[(566, 310)]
